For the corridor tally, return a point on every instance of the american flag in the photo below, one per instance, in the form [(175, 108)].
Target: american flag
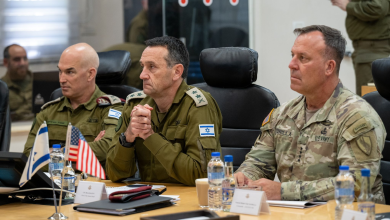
[(78, 150)]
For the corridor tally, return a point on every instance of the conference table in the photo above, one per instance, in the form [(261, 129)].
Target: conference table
[(188, 202)]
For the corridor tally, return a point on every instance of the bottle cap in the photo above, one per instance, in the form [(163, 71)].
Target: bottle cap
[(365, 172), (56, 145), (344, 167), (228, 158), (215, 154)]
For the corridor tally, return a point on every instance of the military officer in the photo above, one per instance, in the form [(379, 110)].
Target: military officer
[(19, 82), (367, 25), (305, 140), (169, 129), (83, 104)]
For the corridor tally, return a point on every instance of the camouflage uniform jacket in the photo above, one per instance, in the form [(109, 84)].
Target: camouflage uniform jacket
[(90, 117), (306, 156), (176, 152)]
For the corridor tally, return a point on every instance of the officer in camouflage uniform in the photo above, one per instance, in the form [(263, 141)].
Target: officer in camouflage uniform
[(368, 26), (83, 104), (169, 129), (304, 141), (19, 81)]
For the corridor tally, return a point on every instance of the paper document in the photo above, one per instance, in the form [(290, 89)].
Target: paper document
[(294, 204)]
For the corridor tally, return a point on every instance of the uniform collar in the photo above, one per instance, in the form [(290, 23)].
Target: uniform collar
[(91, 104), (181, 91), (10, 83), (322, 114)]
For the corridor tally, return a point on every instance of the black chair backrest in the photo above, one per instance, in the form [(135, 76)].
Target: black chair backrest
[(113, 65), (380, 101), (229, 74), (5, 121)]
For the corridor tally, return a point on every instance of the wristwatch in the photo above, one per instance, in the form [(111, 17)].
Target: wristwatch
[(124, 143)]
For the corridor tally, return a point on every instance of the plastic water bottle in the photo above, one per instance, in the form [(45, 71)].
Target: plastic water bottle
[(366, 199), (69, 181), (56, 163), (344, 191), (228, 184), (215, 175)]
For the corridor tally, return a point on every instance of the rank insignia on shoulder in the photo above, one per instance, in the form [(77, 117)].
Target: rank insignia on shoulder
[(268, 118), (114, 113), (197, 96), (136, 95), (51, 102), (206, 130), (107, 100)]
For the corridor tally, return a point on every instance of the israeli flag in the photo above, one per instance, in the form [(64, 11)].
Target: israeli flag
[(206, 130), (39, 155), (114, 113)]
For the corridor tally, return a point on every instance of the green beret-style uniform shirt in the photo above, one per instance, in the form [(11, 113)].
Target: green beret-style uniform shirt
[(177, 152), (90, 118)]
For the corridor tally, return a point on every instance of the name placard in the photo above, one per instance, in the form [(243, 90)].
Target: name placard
[(90, 192), (353, 215), (249, 202)]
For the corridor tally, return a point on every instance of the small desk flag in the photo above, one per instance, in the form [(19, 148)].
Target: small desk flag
[(39, 155), (78, 150)]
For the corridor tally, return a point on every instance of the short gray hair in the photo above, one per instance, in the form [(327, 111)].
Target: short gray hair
[(334, 41)]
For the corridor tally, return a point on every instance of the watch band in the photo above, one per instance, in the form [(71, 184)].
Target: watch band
[(124, 143)]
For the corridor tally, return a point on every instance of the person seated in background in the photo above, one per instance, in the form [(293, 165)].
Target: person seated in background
[(19, 81), (305, 140), (169, 129), (83, 105)]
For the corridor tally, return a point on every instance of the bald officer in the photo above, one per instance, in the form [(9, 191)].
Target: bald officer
[(83, 104), (169, 129)]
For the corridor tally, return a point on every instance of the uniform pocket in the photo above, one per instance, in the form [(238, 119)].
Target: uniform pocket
[(88, 130), (206, 145), (176, 132)]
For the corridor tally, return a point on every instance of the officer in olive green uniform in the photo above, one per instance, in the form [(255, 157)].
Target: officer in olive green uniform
[(138, 28), (90, 117), (20, 97), (132, 76), (170, 129), (176, 152), (19, 81), (368, 26)]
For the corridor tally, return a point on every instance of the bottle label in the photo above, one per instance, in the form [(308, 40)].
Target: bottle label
[(56, 166), (227, 195), (219, 175), (344, 192)]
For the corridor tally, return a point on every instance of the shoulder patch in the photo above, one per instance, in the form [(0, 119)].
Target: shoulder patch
[(268, 118), (107, 100), (197, 96), (136, 95), (52, 102)]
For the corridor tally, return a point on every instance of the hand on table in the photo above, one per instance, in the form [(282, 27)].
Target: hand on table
[(271, 188)]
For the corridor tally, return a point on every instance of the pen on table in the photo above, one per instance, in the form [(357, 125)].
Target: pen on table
[(137, 185)]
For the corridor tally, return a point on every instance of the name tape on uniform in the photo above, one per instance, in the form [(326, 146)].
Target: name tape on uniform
[(114, 113), (206, 130)]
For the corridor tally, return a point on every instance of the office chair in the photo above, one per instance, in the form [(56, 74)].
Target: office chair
[(229, 74), (113, 66), (5, 118), (380, 101)]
